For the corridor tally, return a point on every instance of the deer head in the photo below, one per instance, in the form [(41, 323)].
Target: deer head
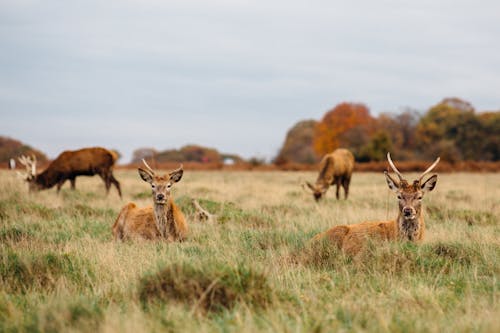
[(30, 164), (410, 195), (160, 184), (29, 174), (317, 190)]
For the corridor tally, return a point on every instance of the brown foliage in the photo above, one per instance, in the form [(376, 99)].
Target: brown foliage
[(298, 146), (346, 125), (11, 148)]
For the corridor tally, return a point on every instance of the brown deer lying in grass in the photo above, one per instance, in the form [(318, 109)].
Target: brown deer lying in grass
[(408, 226), (335, 169), (162, 220)]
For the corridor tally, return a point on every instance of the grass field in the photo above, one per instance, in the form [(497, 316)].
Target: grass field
[(253, 270)]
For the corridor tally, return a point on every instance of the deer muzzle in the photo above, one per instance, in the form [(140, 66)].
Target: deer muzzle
[(409, 212)]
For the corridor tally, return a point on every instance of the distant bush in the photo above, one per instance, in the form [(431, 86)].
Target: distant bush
[(11, 148)]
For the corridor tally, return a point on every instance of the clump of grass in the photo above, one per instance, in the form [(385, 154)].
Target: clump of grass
[(14, 205), (320, 254), (41, 271), (78, 196), (211, 288), (226, 212), (404, 258), (80, 313), (257, 240), (471, 217), (89, 212), (14, 234)]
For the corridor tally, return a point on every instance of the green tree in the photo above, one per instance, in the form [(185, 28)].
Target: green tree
[(377, 148), (450, 126)]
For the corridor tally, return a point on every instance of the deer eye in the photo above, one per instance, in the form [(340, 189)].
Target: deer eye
[(153, 185), (400, 197), (419, 197)]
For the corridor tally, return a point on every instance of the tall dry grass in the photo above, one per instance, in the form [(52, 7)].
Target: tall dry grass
[(253, 270)]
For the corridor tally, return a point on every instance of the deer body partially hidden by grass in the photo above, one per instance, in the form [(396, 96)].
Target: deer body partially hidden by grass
[(408, 226), (163, 220)]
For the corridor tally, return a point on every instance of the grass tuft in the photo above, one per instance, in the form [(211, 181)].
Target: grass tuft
[(226, 212), (42, 271), (465, 216), (211, 288)]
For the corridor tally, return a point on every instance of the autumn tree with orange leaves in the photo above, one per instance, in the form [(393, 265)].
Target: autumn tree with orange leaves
[(348, 125)]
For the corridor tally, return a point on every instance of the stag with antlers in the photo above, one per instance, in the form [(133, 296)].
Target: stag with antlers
[(409, 224), (163, 220), (70, 164)]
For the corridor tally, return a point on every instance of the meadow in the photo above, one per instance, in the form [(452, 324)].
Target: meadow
[(254, 269)]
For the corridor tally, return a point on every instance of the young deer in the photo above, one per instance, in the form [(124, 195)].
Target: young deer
[(408, 226), (162, 220)]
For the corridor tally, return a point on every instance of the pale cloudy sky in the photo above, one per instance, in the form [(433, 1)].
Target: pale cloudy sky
[(234, 75)]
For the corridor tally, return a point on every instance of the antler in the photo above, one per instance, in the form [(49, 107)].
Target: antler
[(201, 214), (147, 166), (394, 167), (29, 163), (176, 170), (33, 164), (429, 169)]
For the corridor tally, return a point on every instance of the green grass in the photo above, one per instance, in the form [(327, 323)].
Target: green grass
[(255, 269)]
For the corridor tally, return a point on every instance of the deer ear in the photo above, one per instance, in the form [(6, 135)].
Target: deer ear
[(146, 176), (429, 184), (176, 175), (393, 184)]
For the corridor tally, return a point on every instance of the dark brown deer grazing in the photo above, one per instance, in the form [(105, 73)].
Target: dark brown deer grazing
[(163, 220), (408, 226), (70, 164), (335, 169)]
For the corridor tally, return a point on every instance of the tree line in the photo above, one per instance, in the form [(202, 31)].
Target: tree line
[(452, 129)]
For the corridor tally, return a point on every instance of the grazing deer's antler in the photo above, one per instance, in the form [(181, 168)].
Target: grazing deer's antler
[(394, 167), (147, 166), (33, 164), (30, 164), (429, 169)]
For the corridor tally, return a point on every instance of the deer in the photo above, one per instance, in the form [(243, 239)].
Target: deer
[(335, 169), (162, 220), (70, 164), (408, 226)]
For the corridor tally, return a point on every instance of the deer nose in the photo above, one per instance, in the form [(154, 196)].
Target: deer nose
[(407, 211), (160, 196)]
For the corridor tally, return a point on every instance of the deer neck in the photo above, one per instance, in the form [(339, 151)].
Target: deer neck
[(410, 229), (164, 218)]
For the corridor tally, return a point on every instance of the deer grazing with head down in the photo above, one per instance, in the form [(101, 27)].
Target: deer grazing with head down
[(163, 220), (335, 169), (408, 226), (70, 164)]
